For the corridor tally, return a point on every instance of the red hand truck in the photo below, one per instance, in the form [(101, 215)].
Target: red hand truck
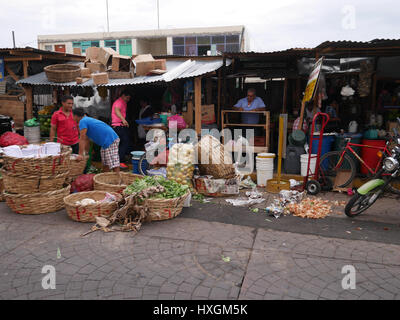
[(314, 185)]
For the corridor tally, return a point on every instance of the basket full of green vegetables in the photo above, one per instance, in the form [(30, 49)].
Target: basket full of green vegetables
[(165, 204)]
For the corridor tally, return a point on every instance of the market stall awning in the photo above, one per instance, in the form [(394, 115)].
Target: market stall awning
[(176, 69)]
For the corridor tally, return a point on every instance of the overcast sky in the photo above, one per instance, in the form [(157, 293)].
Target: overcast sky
[(271, 25)]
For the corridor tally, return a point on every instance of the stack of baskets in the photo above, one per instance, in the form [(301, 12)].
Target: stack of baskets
[(36, 185)]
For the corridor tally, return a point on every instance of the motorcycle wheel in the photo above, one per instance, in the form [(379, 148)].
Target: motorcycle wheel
[(359, 203)]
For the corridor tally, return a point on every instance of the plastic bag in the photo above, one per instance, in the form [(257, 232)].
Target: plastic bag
[(9, 139), (83, 183), (31, 123), (176, 122)]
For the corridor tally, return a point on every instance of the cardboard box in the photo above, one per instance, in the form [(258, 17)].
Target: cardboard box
[(144, 64), (207, 114), (104, 56), (100, 78), (95, 67), (85, 73), (121, 63), (92, 54), (81, 80), (392, 124), (120, 75), (77, 51), (161, 64)]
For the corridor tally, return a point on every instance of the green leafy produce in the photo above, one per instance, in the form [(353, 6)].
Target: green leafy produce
[(172, 188)]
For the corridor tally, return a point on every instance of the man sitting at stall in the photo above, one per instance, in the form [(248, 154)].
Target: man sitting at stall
[(101, 134), (251, 103), (63, 123)]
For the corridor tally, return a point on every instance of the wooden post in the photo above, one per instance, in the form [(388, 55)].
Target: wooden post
[(219, 98), (267, 129), (197, 104), (297, 97), (285, 86), (25, 67), (209, 90), (302, 114), (55, 96), (29, 102)]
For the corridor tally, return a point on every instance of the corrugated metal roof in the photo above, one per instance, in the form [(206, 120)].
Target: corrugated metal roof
[(376, 43), (176, 69), (39, 51)]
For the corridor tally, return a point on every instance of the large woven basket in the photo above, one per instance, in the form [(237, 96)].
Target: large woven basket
[(45, 166), (214, 160), (37, 203), (89, 212), (62, 72), (114, 182), (165, 209), (24, 184), (76, 168)]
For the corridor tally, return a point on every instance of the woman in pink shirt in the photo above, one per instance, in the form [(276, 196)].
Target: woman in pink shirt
[(120, 125)]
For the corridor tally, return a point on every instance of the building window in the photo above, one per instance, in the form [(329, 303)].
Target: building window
[(200, 45), (85, 44), (48, 47), (111, 44)]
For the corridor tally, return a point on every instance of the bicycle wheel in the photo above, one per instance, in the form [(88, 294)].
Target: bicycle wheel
[(329, 167)]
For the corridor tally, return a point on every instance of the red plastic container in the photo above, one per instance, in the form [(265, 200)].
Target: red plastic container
[(370, 155)]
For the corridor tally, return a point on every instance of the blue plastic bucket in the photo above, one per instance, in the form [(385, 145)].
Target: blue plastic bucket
[(327, 141)]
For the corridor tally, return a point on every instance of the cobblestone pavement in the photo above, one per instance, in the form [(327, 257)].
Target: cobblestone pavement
[(187, 259)]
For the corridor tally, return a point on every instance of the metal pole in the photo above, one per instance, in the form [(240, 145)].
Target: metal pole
[(13, 36), (108, 21), (158, 14)]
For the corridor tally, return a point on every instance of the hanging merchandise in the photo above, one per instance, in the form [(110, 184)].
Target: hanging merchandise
[(353, 126), (322, 86), (347, 91), (364, 85)]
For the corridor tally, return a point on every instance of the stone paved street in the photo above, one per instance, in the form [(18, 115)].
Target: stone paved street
[(196, 257)]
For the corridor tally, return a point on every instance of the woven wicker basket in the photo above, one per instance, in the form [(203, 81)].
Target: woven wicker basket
[(114, 182), (37, 203), (216, 161), (46, 166), (165, 209), (89, 213), (76, 168), (23, 184), (62, 72)]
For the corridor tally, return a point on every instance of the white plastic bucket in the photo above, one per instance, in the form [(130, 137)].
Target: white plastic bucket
[(263, 176), (304, 164), (265, 168)]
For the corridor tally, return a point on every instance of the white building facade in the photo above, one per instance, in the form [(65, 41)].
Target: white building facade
[(181, 42)]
